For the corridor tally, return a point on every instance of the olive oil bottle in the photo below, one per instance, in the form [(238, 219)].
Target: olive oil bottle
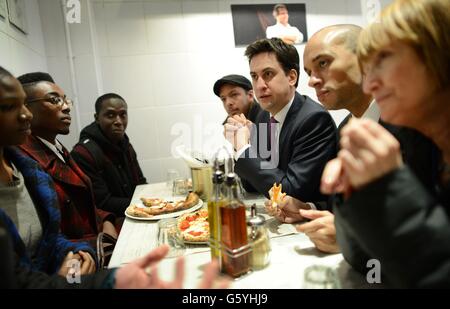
[(216, 201)]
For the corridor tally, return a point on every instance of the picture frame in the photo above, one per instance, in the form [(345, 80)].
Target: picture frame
[(250, 21), (17, 17), (3, 9)]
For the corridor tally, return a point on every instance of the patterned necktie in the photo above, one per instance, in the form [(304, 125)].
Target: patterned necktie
[(64, 153), (272, 131)]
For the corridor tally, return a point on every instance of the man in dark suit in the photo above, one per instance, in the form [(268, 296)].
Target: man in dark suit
[(236, 93), (80, 218), (302, 134)]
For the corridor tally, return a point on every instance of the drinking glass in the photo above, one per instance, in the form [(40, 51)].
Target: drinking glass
[(168, 235), (172, 174), (180, 187), (320, 277)]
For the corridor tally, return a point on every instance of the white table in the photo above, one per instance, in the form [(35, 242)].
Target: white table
[(291, 252)]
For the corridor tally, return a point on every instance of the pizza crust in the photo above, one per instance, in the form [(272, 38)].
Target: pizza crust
[(136, 211), (158, 206)]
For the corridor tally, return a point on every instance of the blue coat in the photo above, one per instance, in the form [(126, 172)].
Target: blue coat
[(53, 247)]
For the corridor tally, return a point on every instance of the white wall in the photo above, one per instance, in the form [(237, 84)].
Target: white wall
[(20, 53), (163, 56)]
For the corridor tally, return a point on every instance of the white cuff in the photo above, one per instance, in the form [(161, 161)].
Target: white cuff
[(313, 207)]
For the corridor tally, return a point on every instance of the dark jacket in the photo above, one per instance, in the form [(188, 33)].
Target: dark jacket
[(397, 221), (307, 142), (253, 112), (421, 156), (114, 169), (53, 247), (80, 219), (418, 152)]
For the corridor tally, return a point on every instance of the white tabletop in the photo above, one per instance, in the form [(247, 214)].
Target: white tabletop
[(291, 252)]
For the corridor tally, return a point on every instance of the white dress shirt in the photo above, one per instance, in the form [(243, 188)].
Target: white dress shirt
[(280, 117), (57, 148), (372, 112), (279, 30)]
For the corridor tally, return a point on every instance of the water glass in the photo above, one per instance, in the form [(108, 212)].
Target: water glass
[(320, 277), (172, 174), (168, 235), (180, 187)]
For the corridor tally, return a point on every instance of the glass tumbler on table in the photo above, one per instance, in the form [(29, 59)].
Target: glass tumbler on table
[(320, 277), (168, 235)]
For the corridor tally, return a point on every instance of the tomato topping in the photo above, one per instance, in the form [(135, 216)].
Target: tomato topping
[(195, 233), (184, 225)]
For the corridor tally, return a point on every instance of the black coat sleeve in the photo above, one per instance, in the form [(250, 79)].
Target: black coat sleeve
[(350, 248), (397, 221), (142, 180), (26, 279), (104, 199)]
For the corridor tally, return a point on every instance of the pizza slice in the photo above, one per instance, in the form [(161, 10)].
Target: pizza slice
[(276, 195), (194, 227), (138, 212), (158, 206)]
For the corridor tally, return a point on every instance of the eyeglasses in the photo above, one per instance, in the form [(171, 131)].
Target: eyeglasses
[(55, 100)]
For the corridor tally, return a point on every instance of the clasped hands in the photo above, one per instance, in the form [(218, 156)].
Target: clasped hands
[(237, 131), (368, 152)]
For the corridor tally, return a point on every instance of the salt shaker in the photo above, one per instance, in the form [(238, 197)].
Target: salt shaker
[(259, 238)]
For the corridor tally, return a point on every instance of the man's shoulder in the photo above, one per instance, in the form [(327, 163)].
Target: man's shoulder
[(89, 150), (306, 112), (254, 111), (305, 106)]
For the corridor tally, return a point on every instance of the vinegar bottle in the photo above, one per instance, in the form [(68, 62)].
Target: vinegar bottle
[(234, 243)]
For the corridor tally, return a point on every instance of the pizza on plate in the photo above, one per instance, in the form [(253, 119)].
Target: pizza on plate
[(159, 206), (194, 227)]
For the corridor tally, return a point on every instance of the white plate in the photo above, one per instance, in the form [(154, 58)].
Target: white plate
[(163, 216), (195, 242)]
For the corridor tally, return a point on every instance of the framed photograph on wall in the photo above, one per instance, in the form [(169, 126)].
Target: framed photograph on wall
[(3, 9), (16, 10), (252, 22)]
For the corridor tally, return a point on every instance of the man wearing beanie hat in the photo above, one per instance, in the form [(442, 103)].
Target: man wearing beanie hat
[(236, 93)]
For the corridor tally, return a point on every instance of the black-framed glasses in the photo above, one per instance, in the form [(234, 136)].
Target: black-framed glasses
[(55, 100)]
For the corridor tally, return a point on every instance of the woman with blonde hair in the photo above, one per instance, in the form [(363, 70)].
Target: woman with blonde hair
[(405, 57)]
